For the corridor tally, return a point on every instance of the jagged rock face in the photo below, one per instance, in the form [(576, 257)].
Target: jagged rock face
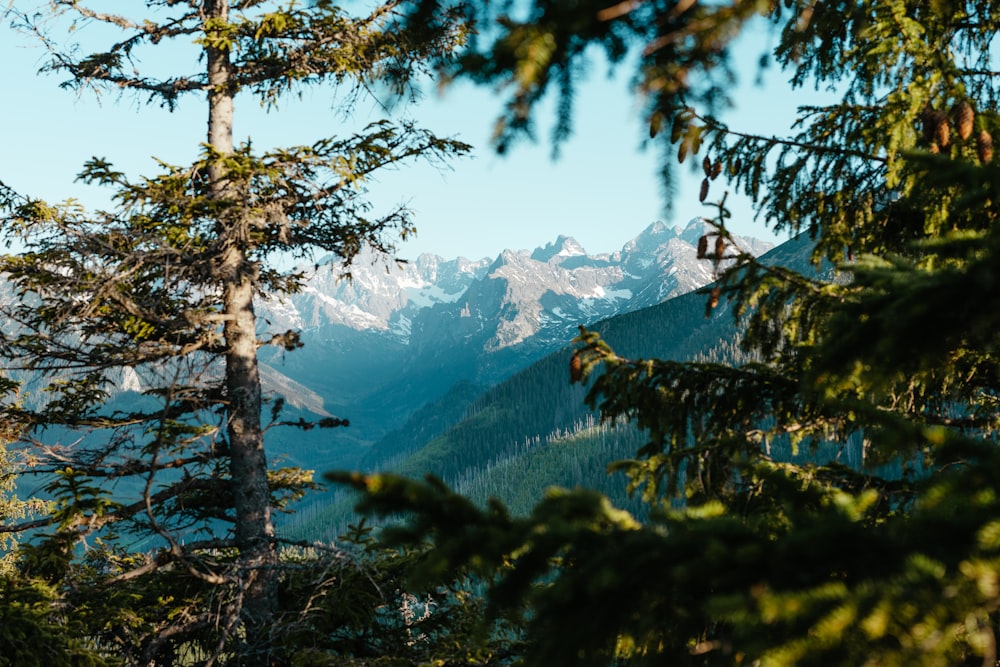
[(524, 295), (532, 298), (379, 294), (395, 325)]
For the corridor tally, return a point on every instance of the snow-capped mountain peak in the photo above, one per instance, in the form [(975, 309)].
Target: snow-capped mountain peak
[(520, 298), (564, 246)]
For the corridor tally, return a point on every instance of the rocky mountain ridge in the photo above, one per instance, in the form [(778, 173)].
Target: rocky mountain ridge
[(521, 297)]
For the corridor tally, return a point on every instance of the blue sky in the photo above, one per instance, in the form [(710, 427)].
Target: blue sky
[(603, 189)]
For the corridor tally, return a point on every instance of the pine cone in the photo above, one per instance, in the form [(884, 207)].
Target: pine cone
[(575, 367), (702, 247), (720, 246), (716, 170), (984, 147), (942, 131), (713, 300), (928, 123), (704, 190), (655, 123), (964, 119)]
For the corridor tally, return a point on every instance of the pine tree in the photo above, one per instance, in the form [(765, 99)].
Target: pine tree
[(162, 287), (889, 341)]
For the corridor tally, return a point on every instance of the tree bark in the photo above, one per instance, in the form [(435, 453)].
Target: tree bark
[(254, 531)]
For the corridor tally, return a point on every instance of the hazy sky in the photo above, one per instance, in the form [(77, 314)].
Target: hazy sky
[(603, 189)]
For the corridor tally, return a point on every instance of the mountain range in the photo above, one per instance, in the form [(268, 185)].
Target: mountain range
[(533, 430), (519, 297), (396, 336), (404, 349)]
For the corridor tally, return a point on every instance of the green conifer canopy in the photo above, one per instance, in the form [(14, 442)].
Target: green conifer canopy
[(889, 345)]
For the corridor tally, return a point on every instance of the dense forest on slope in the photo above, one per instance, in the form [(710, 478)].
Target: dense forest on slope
[(539, 401), (534, 430)]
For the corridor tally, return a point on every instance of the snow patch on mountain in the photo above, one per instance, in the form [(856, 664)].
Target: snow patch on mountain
[(519, 297)]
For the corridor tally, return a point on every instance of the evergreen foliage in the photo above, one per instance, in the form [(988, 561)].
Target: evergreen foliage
[(768, 561), (164, 505)]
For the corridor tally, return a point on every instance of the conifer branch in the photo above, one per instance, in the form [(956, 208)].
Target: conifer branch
[(774, 140)]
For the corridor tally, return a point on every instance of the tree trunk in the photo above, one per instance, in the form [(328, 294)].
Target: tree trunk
[(248, 462)]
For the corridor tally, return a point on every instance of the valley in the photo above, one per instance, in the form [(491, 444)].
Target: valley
[(449, 367)]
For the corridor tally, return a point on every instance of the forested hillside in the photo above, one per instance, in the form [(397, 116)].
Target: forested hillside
[(540, 402), (534, 430)]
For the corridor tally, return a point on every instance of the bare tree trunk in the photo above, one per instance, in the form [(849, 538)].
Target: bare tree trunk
[(248, 463)]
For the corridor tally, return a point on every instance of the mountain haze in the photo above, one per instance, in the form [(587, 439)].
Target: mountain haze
[(533, 429), (396, 339), (398, 335)]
